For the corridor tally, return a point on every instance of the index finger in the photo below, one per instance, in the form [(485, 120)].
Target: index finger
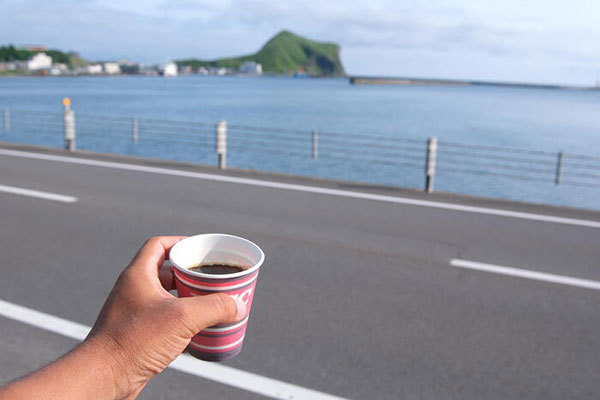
[(154, 252)]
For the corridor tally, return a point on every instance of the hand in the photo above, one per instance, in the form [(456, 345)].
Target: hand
[(144, 327), (139, 331)]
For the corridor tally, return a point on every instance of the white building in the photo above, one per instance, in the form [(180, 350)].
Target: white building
[(251, 68), (59, 69), (112, 68), (169, 69), (94, 69), (39, 61)]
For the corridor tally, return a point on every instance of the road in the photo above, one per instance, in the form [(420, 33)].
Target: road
[(357, 297)]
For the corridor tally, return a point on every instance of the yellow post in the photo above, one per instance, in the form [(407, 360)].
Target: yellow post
[(68, 125)]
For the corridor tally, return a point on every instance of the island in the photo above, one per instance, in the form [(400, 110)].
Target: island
[(284, 54)]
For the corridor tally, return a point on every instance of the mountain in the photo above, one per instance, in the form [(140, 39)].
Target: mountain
[(285, 53)]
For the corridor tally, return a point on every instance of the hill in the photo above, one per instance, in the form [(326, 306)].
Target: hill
[(11, 53), (285, 53)]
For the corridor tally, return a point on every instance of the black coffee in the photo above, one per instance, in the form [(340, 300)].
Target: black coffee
[(217, 269)]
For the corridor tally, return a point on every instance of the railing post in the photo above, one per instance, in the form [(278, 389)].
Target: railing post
[(68, 125), (221, 142), (430, 164), (558, 168), (6, 120), (315, 144), (134, 130)]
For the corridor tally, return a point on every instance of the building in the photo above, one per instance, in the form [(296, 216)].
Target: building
[(112, 68), (59, 69), (15, 65), (39, 61), (250, 68), (217, 71), (93, 69), (169, 69), (151, 70), (128, 66)]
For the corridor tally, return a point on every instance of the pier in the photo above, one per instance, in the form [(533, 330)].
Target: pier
[(381, 80)]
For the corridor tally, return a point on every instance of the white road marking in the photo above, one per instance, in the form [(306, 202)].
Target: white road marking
[(185, 363), (309, 189), (525, 273), (36, 193), (42, 320)]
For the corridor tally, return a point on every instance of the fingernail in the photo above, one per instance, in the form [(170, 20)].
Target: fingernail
[(241, 308)]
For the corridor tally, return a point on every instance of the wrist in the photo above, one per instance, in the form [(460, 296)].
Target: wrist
[(89, 371), (107, 363)]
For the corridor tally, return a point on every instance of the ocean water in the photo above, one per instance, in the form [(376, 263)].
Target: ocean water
[(370, 134)]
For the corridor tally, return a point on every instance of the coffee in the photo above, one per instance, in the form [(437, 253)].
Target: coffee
[(217, 269)]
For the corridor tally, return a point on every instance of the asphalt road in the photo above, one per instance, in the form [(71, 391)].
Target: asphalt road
[(356, 298)]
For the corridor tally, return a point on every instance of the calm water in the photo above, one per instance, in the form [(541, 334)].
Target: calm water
[(548, 120)]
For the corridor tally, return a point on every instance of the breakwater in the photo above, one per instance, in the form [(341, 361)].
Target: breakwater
[(379, 80)]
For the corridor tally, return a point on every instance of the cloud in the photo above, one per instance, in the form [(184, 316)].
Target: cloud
[(155, 30), (435, 24)]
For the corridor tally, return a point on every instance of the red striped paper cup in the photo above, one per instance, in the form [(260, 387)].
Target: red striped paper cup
[(220, 342)]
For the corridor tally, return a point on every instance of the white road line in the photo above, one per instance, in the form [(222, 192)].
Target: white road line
[(44, 321), (309, 189), (184, 363), (36, 193), (525, 273)]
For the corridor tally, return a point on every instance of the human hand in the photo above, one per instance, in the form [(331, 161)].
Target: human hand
[(142, 327), (140, 330)]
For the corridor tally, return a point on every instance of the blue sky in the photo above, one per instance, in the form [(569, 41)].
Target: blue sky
[(509, 40)]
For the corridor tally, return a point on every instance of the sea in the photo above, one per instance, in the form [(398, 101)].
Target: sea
[(496, 142)]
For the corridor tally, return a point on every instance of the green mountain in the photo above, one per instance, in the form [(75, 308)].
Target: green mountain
[(12, 53), (285, 53)]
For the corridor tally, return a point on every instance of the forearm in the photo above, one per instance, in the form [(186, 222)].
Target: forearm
[(86, 372), (140, 330)]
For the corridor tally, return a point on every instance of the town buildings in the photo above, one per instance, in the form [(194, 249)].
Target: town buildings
[(112, 68), (169, 69), (41, 64), (250, 68), (94, 69), (39, 61)]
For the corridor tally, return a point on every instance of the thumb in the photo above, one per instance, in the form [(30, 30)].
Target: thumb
[(212, 309)]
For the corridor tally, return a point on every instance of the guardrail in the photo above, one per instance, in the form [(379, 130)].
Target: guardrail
[(430, 156)]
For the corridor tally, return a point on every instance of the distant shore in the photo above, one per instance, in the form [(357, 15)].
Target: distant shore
[(380, 80)]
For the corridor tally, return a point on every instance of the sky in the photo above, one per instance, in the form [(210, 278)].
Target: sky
[(549, 41)]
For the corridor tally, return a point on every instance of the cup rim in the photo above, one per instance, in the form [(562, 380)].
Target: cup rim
[(220, 276)]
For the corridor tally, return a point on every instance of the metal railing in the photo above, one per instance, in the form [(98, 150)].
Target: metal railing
[(520, 164), (314, 146)]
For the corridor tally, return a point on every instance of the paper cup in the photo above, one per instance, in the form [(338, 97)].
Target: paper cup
[(219, 342)]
